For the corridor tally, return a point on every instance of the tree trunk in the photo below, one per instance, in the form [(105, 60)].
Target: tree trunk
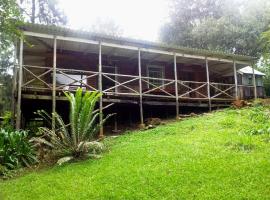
[(33, 16)]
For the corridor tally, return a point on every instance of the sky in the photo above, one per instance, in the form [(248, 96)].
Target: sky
[(140, 19)]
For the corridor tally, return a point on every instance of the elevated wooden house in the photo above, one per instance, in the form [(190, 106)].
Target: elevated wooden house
[(54, 59)]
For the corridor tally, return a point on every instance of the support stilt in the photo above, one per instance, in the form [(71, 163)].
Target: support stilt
[(140, 88), (101, 133), (18, 117), (208, 84), (176, 87)]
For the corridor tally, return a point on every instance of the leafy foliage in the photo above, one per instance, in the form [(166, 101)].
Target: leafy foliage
[(10, 18), (43, 12), (15, 150), (6, 123), (196, 158), (224, 25), (72, 139)]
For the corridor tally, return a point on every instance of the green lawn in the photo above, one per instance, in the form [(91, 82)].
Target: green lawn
[(209, 157)]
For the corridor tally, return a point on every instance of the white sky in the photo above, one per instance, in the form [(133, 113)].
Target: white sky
[(139, 19)]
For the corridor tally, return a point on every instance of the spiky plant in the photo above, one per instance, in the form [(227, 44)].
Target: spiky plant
[(71, 139)]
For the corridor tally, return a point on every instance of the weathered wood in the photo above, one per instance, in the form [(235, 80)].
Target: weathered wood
[(208, 84), (123, 46), (235, 81), (160, 87), (193, 89), (14, 83), (140, 86), (36, 77), (221, 91), (18, 116), (101, 132), (120, 84), (176, 86), (254, 83), (54, 82)]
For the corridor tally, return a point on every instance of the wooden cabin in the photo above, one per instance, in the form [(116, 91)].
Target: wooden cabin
[(245, 77), (129, 72)]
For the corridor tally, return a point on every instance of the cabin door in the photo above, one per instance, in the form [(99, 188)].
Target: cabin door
[(107, 83)]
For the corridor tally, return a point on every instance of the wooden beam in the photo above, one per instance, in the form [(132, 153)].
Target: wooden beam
[(140, 87), (101, 133), (150, 50), (254, 83), (54, 82), (235, 81), (208, 83), (18, 117), (176, 86)]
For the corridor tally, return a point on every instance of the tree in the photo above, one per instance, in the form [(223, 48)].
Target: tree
[(106, 26), (42, 12), (10, 18), (12, 15), (232, 25)]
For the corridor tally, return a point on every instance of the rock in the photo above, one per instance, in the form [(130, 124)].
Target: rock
[(141, 126), (113, 136), (153, 121), (94, 147), (149, 127), (63, 160), (193, 114), (94, 156), (240, 103)]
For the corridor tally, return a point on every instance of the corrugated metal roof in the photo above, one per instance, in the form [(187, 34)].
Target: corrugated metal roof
[(249, 70), (64, 31)]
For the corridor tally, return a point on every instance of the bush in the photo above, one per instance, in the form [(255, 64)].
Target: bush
[(6, 123), (15, 150)]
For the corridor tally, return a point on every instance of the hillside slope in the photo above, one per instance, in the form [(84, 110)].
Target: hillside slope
[(222, 155)]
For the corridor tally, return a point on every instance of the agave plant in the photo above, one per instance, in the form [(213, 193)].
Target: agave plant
[(72, 139)]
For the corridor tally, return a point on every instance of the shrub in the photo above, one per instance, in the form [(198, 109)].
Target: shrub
[(72, 139), (6, 123), (15, 150), (259, 115)]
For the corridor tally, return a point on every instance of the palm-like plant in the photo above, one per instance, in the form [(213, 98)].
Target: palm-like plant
[(72, 139)]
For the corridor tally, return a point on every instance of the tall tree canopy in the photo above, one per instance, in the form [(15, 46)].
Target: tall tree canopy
[(42, 12), (12, 14), (227, 25), (10, 18)]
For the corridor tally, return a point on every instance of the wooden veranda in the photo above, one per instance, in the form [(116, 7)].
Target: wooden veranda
[(34, 81)]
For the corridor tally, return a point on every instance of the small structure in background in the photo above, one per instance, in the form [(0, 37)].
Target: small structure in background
[(245, 78)]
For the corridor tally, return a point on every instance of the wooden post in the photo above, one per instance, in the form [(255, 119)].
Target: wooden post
[(101, 133), (235, 81), (14, 83), (176, 87), (18, 117), (140, 87), (208, 84), (54, 82), (254, 83)]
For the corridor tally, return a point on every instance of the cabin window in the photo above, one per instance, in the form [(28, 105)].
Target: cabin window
[(259, 81), (156, 72), (250, 80)]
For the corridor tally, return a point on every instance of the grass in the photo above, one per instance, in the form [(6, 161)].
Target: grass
[(215, 156)]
